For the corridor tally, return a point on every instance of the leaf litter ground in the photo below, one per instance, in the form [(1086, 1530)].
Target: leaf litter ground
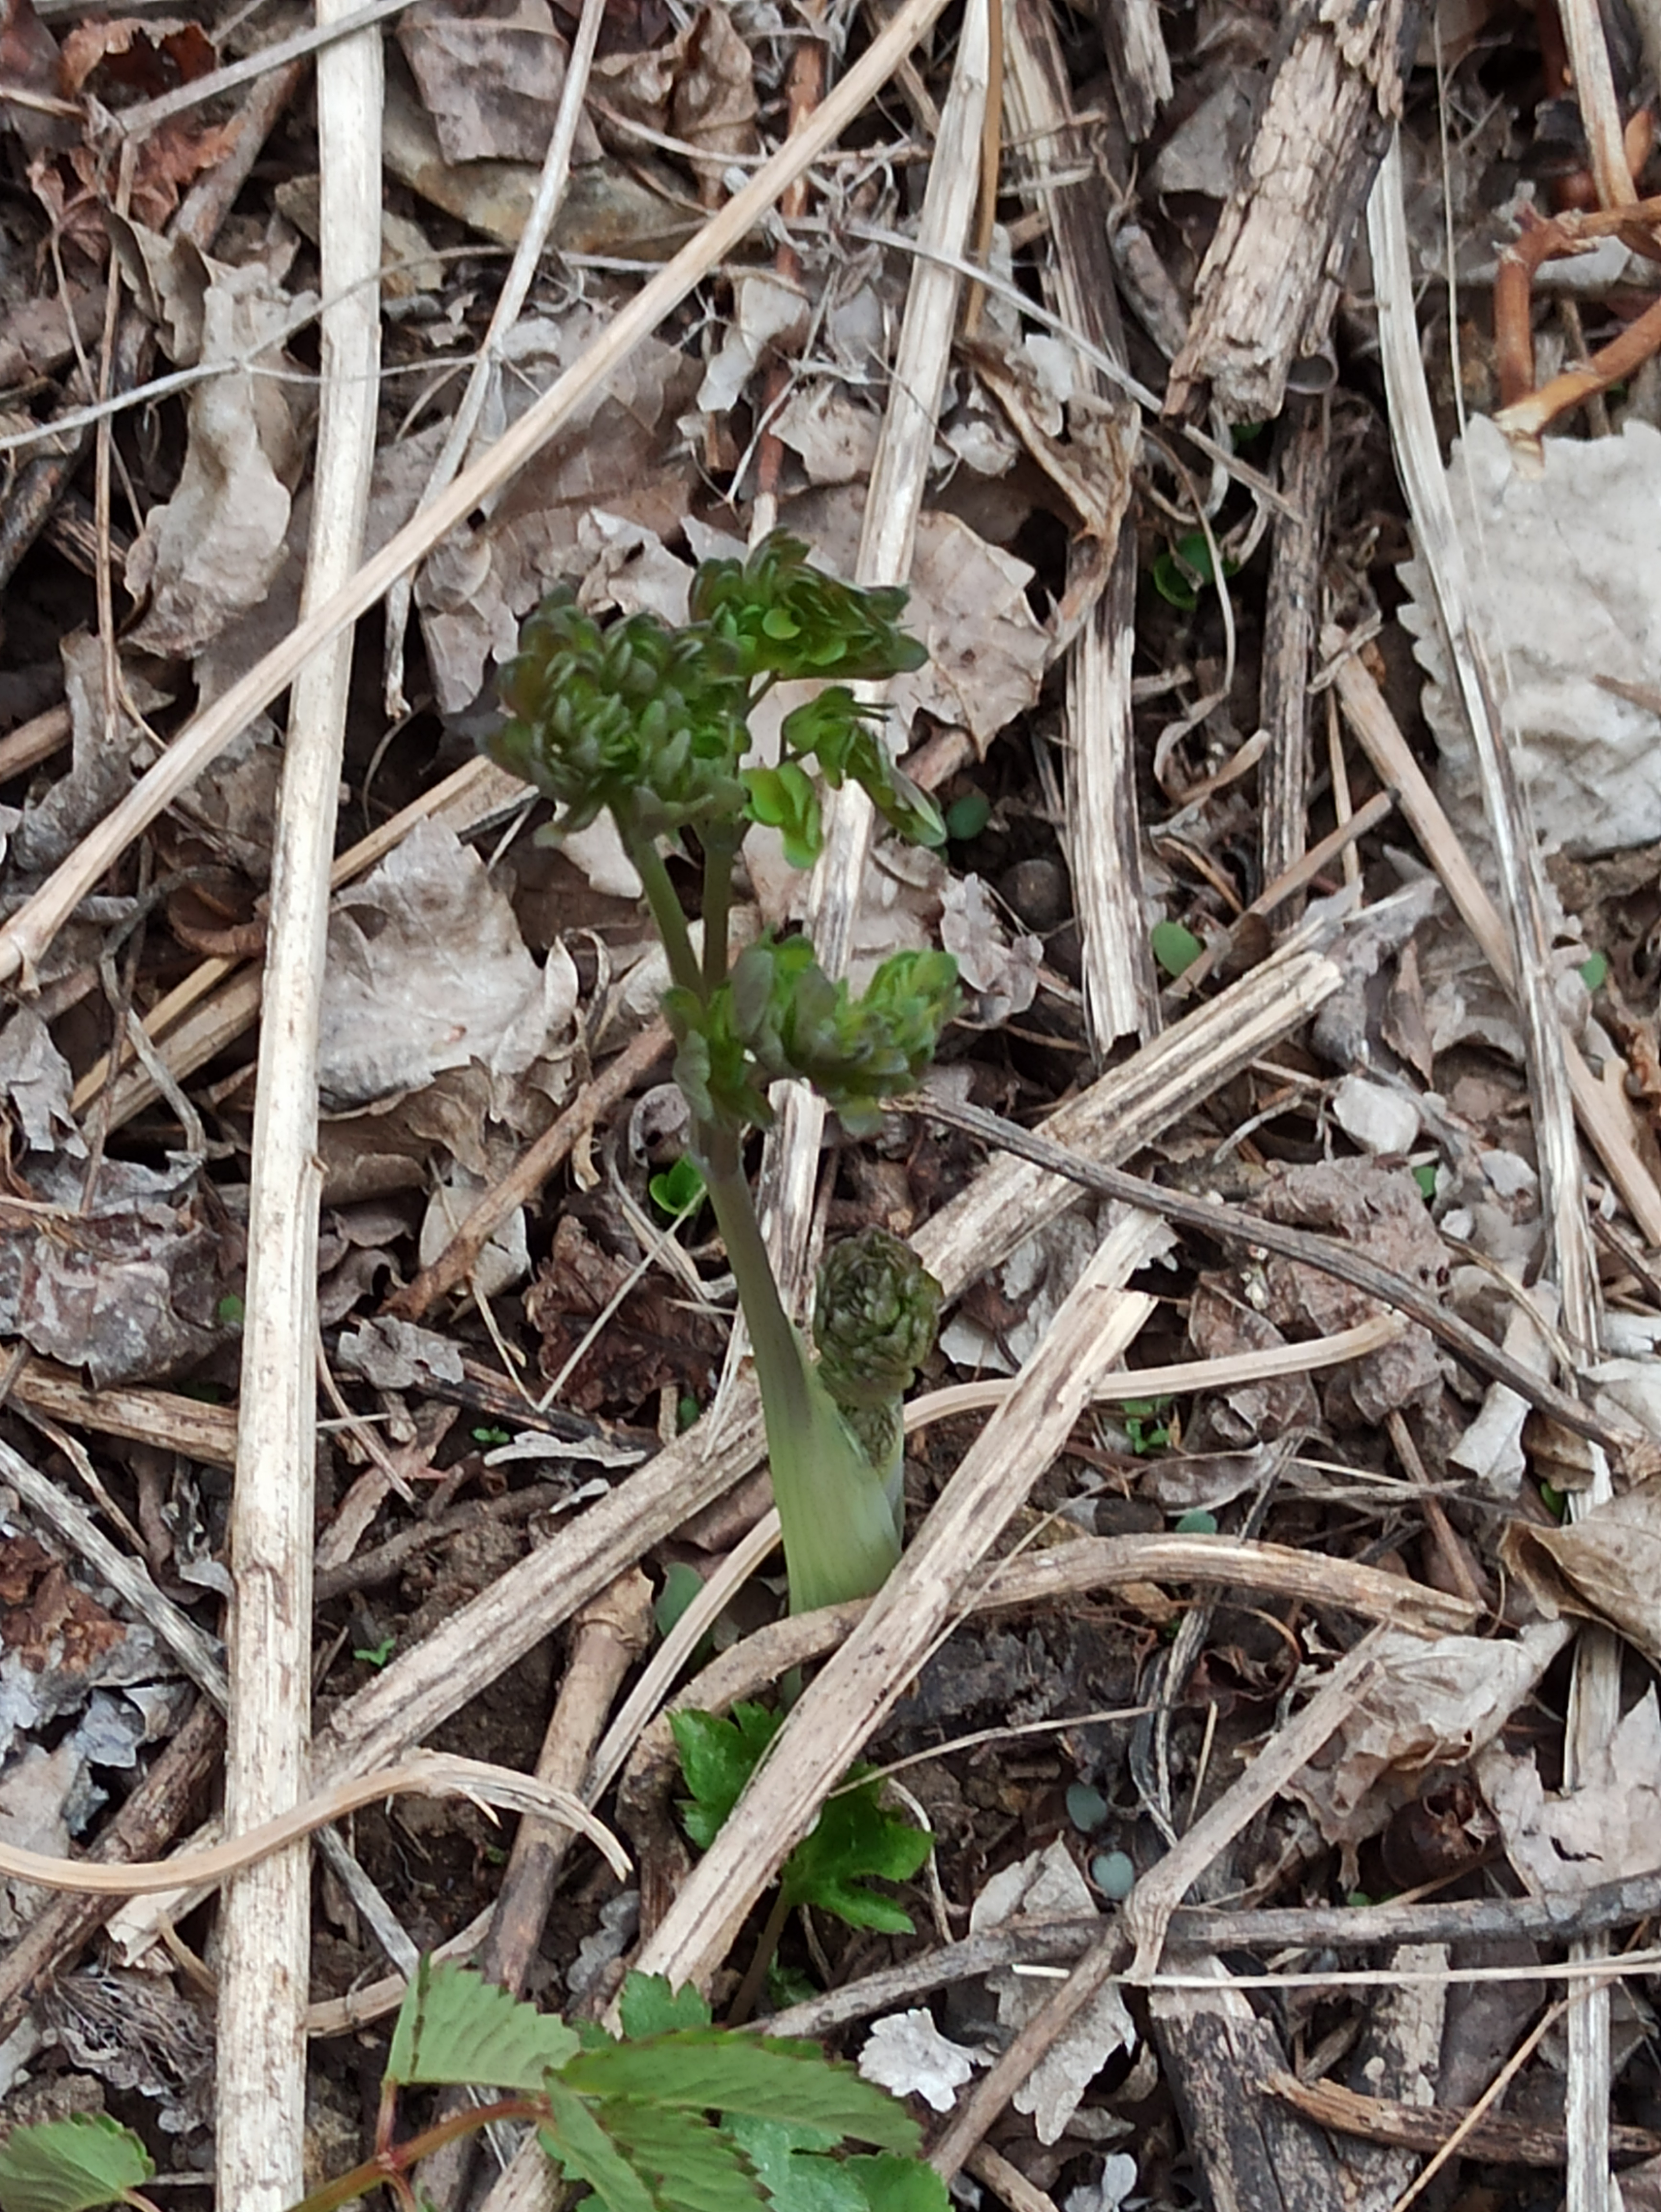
[(477, 983)]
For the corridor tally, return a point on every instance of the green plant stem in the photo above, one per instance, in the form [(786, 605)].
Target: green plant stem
[(781, 1362), (840, 1536), (720, 845), (647, 863), (397, 2159)]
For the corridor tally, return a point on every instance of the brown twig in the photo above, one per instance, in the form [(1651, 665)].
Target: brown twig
[(457, 1261), (1429, 2127), (1232, 1224), (143, 1827)]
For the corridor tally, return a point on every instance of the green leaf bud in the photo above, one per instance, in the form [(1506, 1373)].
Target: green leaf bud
[(785, 618), (875, 1316), (646, 721)]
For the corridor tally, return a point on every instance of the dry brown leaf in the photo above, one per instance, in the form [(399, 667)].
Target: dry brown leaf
[(713, 106), (1605, 1566), (208, 553), (1382, 1212), (427, 971), (652, 1339), (1427, 1706), (129, 1291), (476, 586), (1220, 1325), (102, 763), (491, 75), (37, 1083), (986, 650), (1604, 1829)]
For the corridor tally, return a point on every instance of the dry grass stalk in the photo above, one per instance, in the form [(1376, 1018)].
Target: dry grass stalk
[(887, 535), (1602, 1108), (1596, 1700), (265, 1925), (1102, 829)]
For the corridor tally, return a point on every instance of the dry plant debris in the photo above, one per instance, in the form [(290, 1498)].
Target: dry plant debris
[(1303, 869)]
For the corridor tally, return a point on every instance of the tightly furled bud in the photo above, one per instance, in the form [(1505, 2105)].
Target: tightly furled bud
[(874, 1317), (645, 720), (784, 618), (874, 1321)]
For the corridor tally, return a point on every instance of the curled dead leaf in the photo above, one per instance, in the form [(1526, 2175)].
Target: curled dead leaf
[(1605, 1566)]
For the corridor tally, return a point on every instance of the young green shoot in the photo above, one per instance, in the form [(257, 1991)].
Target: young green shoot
[(650, 724), (672, 2116)]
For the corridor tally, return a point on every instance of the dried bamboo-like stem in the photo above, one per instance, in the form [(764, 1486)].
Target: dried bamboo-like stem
[(1103, 829), (888, 534), (1603, 1112), (1600, 112), (1595, 1705), (32, 929), (266, 1923), (828, 1727), (1289, 626)]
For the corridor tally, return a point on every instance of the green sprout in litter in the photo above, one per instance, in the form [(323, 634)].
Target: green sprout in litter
[(671, 2116), (650, 724)]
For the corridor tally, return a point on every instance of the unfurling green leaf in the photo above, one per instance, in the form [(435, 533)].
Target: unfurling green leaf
[(717, 1758), (855, 1839), (841, 735), (455, 2027), (648, 2006), (1175, 947), (678, 1188), (783, 798), (784, 618), (72, 2165)]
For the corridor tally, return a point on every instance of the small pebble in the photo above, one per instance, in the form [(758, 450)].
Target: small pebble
[(1114, 1873), (1037, 890)]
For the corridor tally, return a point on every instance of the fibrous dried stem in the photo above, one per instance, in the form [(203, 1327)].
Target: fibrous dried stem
[(1289, 629)]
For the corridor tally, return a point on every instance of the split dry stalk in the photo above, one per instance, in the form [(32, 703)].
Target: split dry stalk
[(1594, 1699), (264, 1924), (887, 536)]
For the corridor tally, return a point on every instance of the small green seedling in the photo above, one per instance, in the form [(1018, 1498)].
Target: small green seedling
[(1146, 1423), (651, 725), (678, 1190), (1175, 947), (967, 816), (672, 2116), (1182, 571), (377, 1654), (1594, 973), (489, 1434), (854, 1840)]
